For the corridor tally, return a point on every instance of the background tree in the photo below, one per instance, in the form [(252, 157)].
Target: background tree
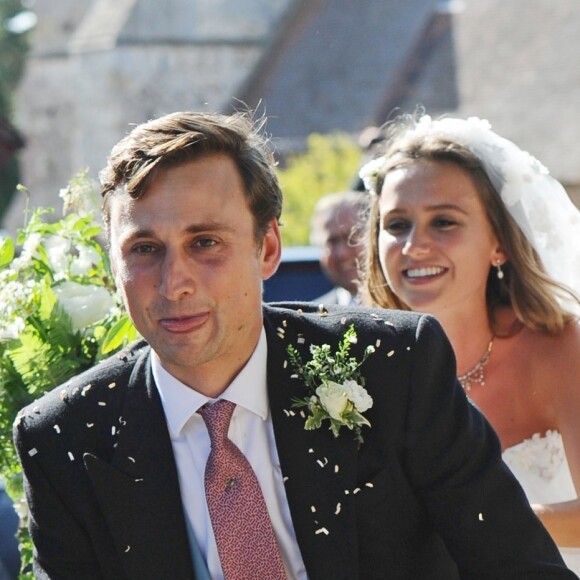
[(329, 163), (14, 24)]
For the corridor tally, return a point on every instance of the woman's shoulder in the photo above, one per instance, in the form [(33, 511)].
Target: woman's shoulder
[(507, 326), (544, 359), (554, 360), (556, 347)]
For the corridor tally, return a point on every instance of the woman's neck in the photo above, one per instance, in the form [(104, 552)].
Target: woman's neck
[(469, 334)]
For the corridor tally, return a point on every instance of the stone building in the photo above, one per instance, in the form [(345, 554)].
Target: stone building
[(98, 66), (350, 63)]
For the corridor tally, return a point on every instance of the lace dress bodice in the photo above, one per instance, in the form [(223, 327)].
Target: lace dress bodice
[(541, 467)]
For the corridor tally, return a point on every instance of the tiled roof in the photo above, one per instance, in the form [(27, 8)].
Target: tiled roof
[(329, 65), (344, 64)]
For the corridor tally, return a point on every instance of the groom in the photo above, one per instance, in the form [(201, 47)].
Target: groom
[(115, 460)]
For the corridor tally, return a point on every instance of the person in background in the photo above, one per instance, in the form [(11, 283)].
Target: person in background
[(466, 226), (182, 456), (335, 228)]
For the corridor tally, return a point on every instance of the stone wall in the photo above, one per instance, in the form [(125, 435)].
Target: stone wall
[(98, 67)]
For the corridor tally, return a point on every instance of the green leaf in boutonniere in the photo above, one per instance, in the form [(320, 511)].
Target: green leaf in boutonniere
[(335, 384)]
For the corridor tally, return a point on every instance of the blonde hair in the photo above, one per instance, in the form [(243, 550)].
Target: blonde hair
[(526, 287)]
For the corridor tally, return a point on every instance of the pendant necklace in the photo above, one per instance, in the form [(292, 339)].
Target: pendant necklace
[(475, 375)]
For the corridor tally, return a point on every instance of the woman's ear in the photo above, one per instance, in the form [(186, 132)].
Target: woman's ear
[(498, 257)]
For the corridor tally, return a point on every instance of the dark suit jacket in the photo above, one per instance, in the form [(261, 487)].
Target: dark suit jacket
[(427, 488)]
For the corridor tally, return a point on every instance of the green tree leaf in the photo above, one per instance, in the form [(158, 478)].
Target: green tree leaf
[(329, 164), (6, 251), (121, 333)]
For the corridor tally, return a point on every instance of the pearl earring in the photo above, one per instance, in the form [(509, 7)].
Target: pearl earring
[(499, 273)]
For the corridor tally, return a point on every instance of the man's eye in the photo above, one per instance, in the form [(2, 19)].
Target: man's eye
[(143, 249), (205, 243)]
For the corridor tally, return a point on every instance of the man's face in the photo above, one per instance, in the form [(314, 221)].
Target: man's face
[(342, 248), (190, 270)]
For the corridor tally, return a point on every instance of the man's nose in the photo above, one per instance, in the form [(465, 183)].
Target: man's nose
[(177, 279)]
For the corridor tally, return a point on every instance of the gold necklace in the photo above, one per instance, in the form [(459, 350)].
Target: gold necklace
[(476, 374)]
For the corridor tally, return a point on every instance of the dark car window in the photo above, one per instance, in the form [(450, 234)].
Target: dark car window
[(299, 276)]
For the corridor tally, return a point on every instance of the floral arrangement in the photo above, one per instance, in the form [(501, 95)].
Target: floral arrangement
[(336, 386), (59, 314), (369, 173)]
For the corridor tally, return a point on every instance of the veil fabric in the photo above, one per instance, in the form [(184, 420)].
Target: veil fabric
[(538, 203)]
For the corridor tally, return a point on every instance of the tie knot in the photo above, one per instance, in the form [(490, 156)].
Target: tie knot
[(217, 419)]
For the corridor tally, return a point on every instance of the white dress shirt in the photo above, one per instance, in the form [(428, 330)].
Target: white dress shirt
[(344, 297), (251, 430)]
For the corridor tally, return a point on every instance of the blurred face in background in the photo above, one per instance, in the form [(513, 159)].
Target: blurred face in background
[(341, 246)]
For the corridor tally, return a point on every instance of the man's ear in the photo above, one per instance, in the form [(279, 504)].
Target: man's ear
[(271, 251)]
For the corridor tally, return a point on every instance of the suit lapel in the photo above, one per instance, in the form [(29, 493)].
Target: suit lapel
[(147, 522), (139, 490), (320, 470)]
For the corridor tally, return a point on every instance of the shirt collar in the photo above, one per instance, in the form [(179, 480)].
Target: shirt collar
[(247, 390), (343, 296)]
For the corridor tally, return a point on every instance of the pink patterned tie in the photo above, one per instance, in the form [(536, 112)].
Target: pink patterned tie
[(245, 539)]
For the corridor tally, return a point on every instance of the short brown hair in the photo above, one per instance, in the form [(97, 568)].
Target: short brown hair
[(179, 137)]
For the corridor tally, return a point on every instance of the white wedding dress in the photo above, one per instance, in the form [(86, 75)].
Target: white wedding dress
[(541, 467)]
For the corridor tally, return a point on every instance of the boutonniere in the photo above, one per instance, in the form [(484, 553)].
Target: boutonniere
[(336, 386)]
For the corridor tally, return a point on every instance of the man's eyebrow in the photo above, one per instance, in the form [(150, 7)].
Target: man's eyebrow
[(208, 227), (138, 233)]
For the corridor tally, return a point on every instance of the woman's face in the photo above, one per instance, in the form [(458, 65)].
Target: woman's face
[(435, 242)]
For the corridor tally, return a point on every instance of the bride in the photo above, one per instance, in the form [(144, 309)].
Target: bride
[(468, 227)]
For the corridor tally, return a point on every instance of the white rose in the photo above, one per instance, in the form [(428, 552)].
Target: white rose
[(333, 398), (358, 396), (88, 258), (57, 249), (84, 304)]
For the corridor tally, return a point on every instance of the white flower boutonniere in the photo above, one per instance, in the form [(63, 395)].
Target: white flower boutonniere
[(336, 385)]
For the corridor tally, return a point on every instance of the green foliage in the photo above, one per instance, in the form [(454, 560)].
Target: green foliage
[(325, 366), (59, 314), (13, 52), (328, 165)]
